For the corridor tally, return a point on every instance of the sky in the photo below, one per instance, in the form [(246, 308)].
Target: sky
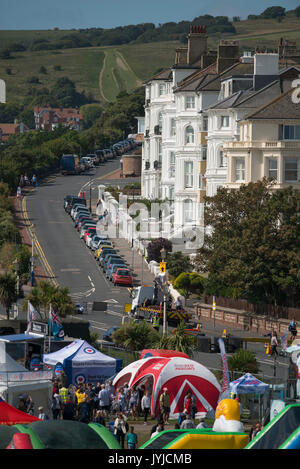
[(68, 14)]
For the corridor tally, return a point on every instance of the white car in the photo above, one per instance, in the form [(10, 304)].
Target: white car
[(98, 239), (76, 208)]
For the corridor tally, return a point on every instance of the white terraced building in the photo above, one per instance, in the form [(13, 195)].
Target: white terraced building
[(192, 112)]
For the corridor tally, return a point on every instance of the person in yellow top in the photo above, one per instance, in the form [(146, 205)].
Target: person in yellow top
[(155, 322), (80, 395)]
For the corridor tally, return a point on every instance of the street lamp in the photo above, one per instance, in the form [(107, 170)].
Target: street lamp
[(16, 269), (163, 254), (32, 257)]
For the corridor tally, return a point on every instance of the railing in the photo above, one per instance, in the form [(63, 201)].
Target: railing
[(260, 144)]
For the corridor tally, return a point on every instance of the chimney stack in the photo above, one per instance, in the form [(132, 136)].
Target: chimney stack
[(228, 54), (266, 67), (197, 44)]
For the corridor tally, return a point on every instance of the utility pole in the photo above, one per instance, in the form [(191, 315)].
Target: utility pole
[(32, 257), (163, 253)]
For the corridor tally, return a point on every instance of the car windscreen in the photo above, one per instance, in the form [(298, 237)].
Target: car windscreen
[(123, 273)]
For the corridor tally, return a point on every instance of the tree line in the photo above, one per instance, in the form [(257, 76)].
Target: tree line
[(140, 33)]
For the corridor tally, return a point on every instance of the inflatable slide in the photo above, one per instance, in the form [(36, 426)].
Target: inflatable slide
[(282, 432)]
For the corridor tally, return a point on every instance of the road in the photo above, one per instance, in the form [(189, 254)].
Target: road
[(60, 247), (73, 264)]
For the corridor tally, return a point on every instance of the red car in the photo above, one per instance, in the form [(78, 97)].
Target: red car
[(88, 232), (122, 277)]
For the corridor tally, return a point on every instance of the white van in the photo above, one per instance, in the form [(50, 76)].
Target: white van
[(142, 293)]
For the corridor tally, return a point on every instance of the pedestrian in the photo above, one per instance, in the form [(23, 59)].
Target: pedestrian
[(155, 322), (26, 180), (84, 411), (201, 424), (120, 428), (69, 409), (131, 439), (164, 404), (22, 181), (42, 415), (34, 180), (159, 429), (146, 405), (178, 304), (99, 418), (63, 393), (293, 329), (187, 423), (122, 400), (257, 429), (19, 192), (56, 406), (190, 404), (133, 402), (80, 395), (274, 344), (104, 399)]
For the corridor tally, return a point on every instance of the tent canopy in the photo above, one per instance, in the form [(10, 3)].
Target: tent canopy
[(83, 363), (248, 384), (179, 375), (162, 353), (9, 415)]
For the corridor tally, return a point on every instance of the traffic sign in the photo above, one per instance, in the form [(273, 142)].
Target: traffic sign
[(162, 267)]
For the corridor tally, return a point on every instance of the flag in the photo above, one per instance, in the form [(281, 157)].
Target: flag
[(284, 341), (31, 316), (55, 325), (225, 385)]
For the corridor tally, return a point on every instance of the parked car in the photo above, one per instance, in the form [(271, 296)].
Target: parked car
[(85, 228), (82, 220), (67, 200), (95, 158), (74, 200), (81, 213), (98, 252), (113, 261), (88, 232), (76, 207), (105, 254), (100, 156), (69, 164), (123, 277), (108, 260), (112, 269), (89, 161), (79, 309), (96, 240), (108, 334), (108, 153), (84, 164)]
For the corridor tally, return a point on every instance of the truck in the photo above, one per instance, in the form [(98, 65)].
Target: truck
[(174, 316), (69, 164), (145, 295)]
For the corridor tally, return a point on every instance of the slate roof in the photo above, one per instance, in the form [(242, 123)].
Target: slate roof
[(281, 107)]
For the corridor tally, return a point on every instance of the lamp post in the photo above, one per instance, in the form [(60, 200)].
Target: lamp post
[(163, 254), (32, 257), (16, 269)]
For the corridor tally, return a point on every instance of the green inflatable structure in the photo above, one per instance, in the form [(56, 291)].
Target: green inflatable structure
[(61, 434)]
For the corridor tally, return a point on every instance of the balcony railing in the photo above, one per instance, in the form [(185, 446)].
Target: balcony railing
[(260, 144)]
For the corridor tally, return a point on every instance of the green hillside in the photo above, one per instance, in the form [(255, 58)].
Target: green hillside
[(102, 72)]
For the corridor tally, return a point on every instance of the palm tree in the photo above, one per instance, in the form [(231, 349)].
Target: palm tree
[(8, 291), (243, 361), (135, 336), (45, 294), (178, 340)]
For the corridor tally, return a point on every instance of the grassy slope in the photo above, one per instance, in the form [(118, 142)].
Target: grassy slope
[(127, 66)]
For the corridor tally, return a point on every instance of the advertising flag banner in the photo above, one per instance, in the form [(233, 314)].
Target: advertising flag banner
[(55, 325), (225, 385), (31, 316)]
